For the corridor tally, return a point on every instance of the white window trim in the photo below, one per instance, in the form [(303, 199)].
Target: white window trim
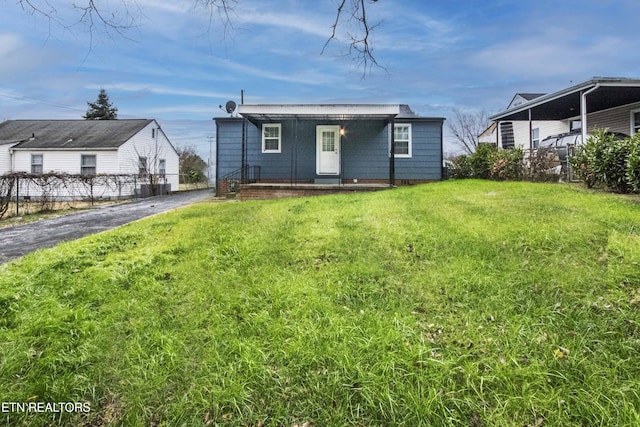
[(632, 129), (535, 141), (162, 168), (272, 125), (95, 165), (402, 156), (37, 164)]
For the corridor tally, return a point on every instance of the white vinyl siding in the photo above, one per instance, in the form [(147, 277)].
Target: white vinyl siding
[(272, 138), (154, 149), (619, 119), (5, 158), (522, 134), (67, 161)]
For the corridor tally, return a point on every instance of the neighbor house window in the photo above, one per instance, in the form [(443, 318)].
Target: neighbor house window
[(142, 167), (36, 163), (88, 164), (271, 138), (402, 140), (508, 138), (575, 125), (162, 168), (535, 137), (635, 121)]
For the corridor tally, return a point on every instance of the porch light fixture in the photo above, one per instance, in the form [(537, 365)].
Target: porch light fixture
[(342, 132)]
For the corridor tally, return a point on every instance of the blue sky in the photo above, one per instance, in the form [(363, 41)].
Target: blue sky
[(179, 63)]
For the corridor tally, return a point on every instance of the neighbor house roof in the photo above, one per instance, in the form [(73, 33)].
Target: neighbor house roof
[(70, 134), (521, 98), (604, 93)]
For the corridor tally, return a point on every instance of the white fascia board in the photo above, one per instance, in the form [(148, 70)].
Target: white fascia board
[(87, 149), (320, 109), (611, 82)]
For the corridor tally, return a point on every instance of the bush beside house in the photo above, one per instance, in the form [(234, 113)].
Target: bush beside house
[(488, 162), (604, 161), (609, 163)]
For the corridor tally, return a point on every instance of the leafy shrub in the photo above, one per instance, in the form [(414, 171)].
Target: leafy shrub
[(633, 163), (602, 161), (482, 160), (507, 164), (583, 162), (489, 162), (462, 167), (543, 165)]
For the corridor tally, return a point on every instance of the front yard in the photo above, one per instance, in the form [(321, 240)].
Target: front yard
[(464, 303)]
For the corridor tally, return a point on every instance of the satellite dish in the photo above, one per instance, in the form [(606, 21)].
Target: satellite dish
[(230, 106)]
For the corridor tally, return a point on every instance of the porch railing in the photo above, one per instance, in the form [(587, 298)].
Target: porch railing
[(245, 175)]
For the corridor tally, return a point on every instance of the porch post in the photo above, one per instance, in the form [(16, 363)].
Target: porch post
[(583, 110), (530, 132), (243, 153), (530, 141), (392, 155)]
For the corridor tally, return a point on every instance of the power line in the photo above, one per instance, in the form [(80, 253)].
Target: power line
[(39, 101)]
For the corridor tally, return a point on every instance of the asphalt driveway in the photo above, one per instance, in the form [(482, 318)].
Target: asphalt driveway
[(22, 239)]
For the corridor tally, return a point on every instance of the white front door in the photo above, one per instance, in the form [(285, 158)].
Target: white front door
[(328, 150)]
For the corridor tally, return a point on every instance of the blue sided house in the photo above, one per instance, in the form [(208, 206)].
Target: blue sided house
[(287, 150)]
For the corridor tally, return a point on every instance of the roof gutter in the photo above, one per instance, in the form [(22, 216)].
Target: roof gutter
[(583, 110), (87, 149)]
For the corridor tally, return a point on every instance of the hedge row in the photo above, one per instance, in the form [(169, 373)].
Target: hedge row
[(488, 162)]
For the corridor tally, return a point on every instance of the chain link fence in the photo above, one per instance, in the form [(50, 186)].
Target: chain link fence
[(23, 193)]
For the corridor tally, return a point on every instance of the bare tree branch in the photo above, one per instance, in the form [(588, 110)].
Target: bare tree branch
[(467, 127), (351, 19), (118, 19), (222, 8), (360, 41)]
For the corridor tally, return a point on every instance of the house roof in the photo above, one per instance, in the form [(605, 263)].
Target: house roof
[(530, 96), (516, 100), (258, 113), (70, 134), (608, 92)]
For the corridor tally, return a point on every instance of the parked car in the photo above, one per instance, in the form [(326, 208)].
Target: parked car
[(562, 141)]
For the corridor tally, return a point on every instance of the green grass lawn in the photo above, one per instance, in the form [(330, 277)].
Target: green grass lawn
[(463, 303)]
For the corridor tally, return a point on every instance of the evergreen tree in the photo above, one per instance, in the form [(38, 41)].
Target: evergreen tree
[(102, 109)]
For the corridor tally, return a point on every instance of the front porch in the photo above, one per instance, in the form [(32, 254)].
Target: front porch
[(272, 190)]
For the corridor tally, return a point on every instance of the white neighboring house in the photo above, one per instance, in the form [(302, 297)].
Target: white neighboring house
[(522, 134), (137, 148)]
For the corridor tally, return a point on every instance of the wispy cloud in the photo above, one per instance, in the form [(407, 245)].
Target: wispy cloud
[(554, 52), (160, 90)]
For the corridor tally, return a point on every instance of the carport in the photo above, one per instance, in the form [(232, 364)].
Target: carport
[(597, 94)]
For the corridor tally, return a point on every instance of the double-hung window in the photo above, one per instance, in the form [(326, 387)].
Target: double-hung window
[(88, 164), (142, 167), (272, 138), (402, 140), (535, 137), (162, 168), (36, 163)]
